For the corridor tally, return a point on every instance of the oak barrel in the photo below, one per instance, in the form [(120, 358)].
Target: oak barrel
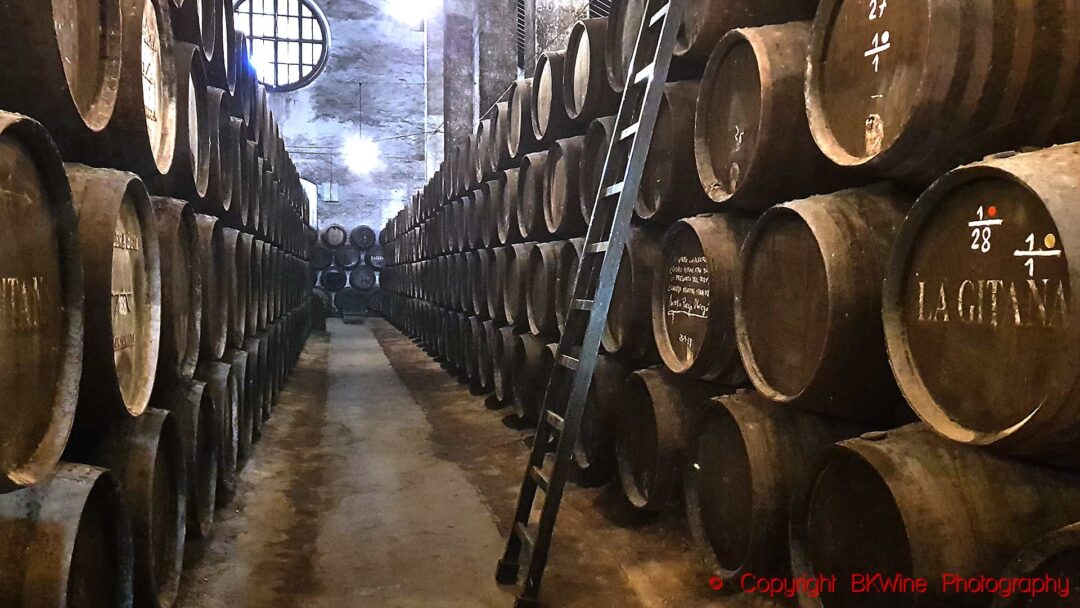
[(188, 177), (348, 257), (624, 23), (912, 90), (333, 279), (693, 299), (122, 274), (594, 455), (224, 153), (627, 331), (751, 126), (808, 304), (587, 94), (670, 188), (653, 424), (334, 236), (66, 542), (222, 384), (506, 216), (569, 259), (748, 459), (41, 304), (704, 22), (215, 303), (549, 118), (195, 412), (531, 376), (64, 62), (935, 507), (562, 205), (141, 134), (594, 153), (978, 305), (363, 237), (541, 287), (515, 285), (146, 455), (520, 139), (181, 291), (532, 196)]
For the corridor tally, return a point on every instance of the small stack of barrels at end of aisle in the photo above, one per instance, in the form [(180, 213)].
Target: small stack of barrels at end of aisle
[(154, 291), (831, 340), (347, 264)]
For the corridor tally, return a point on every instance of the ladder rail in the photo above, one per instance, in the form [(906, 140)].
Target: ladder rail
[(579, 346), (623, 211)]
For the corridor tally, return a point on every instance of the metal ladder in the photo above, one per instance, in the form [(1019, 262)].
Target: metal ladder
[(575, 360)]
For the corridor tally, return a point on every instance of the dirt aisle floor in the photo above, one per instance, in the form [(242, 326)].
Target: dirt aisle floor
[(383, 482), (347, 501), (604, 554)]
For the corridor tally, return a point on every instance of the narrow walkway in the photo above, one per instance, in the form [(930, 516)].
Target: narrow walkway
[(347, 501)]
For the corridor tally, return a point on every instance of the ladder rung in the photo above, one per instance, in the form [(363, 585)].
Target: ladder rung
[(659, 14), (583, 304), (614, 189), (629, 132), (555, 421), (522, 532), (600, 247), (568, 362), (645, 74), (541, 480)]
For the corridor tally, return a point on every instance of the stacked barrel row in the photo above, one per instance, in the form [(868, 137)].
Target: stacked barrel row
[(348, 263), (808, 294), (488, 251), (154, 290)]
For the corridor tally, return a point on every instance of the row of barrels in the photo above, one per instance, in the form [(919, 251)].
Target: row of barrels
[(766, 102), (799, 294), (348, 264), (528, 286), (867, 283), (156, 331), (336, 236), (347, 257), (715, 313), (765, 254), (163, 89), (146, 342), (334, 279), (767, 490)]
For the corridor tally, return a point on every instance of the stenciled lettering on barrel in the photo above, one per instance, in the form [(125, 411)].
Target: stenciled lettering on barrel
[(127, 278), (21, 303), (986, 308)]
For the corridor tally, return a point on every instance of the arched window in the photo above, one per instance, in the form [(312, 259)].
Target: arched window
[(290, 40)]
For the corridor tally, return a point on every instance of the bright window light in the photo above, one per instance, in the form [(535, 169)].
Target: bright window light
[(289, 40), (262, 59), (362, 155), (412, 12)]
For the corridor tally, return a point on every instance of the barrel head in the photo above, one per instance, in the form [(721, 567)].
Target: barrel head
[(982, 307), (866, 69), (134, 323), (36, 330), (728, 123), (686, 303), (793, 313)]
